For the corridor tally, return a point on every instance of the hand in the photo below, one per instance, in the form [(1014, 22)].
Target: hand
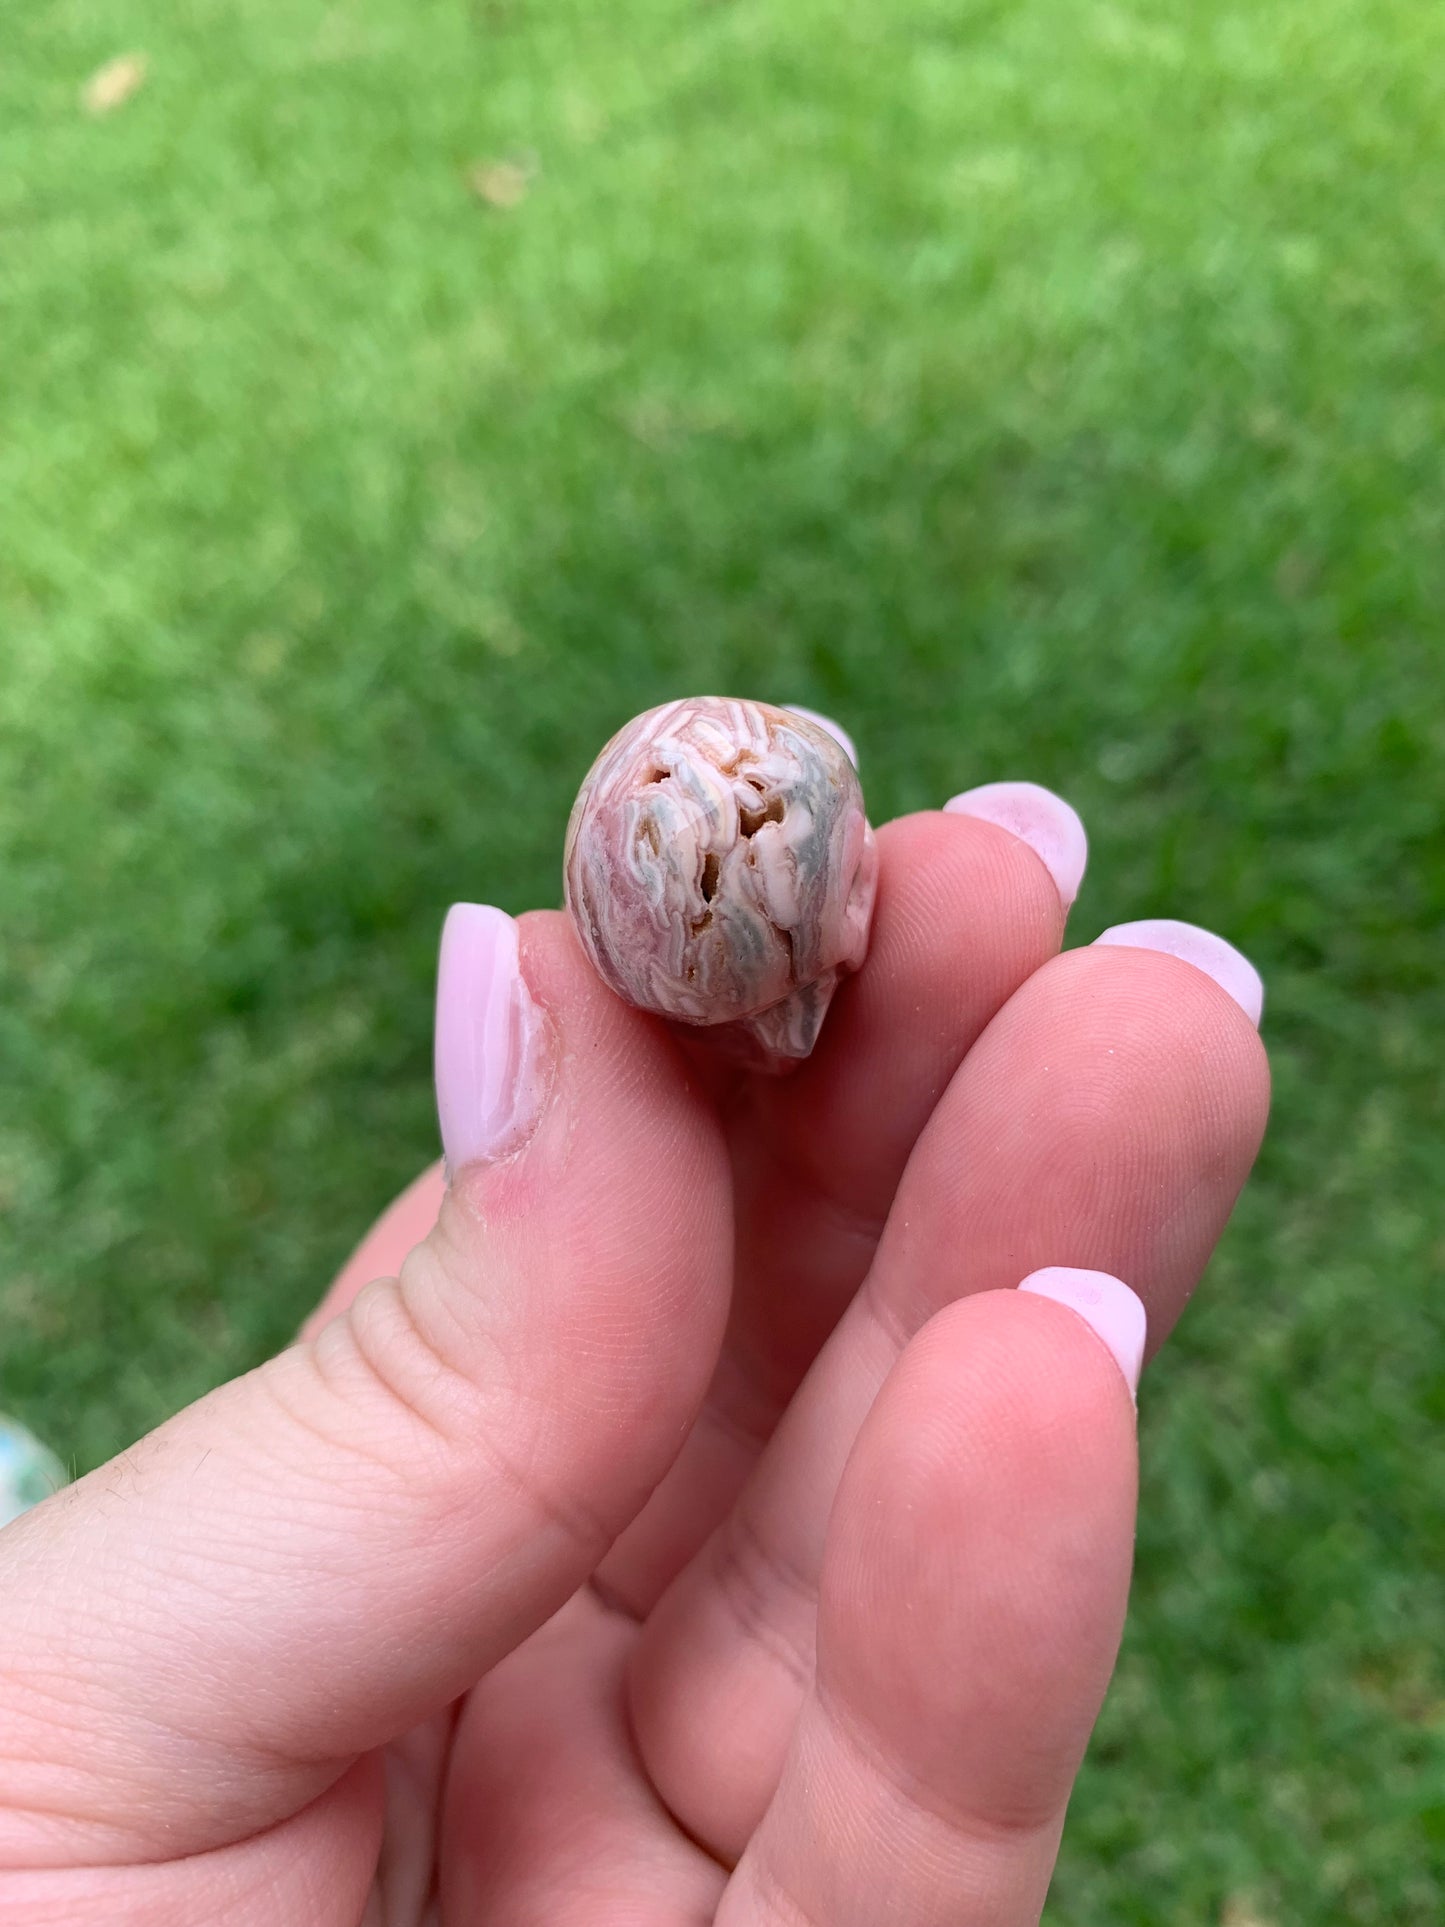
[(697, 1526)]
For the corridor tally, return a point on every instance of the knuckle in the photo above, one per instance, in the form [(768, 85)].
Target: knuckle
[(450, 1412), (771, 1601)]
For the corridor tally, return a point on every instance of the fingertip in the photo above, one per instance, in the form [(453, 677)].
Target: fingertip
[(1052, 828), (1106, 1304), (1193, 944)]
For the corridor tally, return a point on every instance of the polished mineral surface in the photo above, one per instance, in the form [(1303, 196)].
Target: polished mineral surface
[(720, 870)]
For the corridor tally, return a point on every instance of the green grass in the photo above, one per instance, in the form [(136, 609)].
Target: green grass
[(1049, 389)]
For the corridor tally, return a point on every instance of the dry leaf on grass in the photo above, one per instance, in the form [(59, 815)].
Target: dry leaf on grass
[(1241, 1912), (499, 183), (112, 85)]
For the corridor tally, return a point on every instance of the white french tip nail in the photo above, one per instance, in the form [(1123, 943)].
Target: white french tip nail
[(1229, 967), (835, 730), (1051, 827)]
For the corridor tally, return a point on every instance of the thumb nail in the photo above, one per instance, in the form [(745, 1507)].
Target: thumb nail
[(489, 1038)]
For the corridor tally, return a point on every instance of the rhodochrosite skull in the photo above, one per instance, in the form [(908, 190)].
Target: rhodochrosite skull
[(720, 871)]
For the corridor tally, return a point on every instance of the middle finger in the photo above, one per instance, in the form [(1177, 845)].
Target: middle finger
[(1107, 1119)]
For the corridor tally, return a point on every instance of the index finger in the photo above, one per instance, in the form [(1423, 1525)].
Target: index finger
[(967, 911)]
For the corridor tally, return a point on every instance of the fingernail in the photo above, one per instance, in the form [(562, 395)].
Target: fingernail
[(826, 722), (1049, 825), (1106, 1303), (1217, 959), (488, 1038)]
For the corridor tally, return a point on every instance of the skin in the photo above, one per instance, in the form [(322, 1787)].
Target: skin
[(689, 1521)]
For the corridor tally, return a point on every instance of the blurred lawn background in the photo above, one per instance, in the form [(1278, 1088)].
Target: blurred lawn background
[(396, 397)]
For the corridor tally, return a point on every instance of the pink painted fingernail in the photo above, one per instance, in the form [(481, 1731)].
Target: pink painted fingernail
[(489, 1038), (1048, 824), (836, 730), (1231, 970), (1106, 1303)]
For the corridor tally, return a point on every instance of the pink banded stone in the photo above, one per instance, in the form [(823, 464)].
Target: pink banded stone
[(720, 871)]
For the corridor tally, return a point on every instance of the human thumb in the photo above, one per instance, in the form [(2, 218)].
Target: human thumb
[(199, 1636)]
